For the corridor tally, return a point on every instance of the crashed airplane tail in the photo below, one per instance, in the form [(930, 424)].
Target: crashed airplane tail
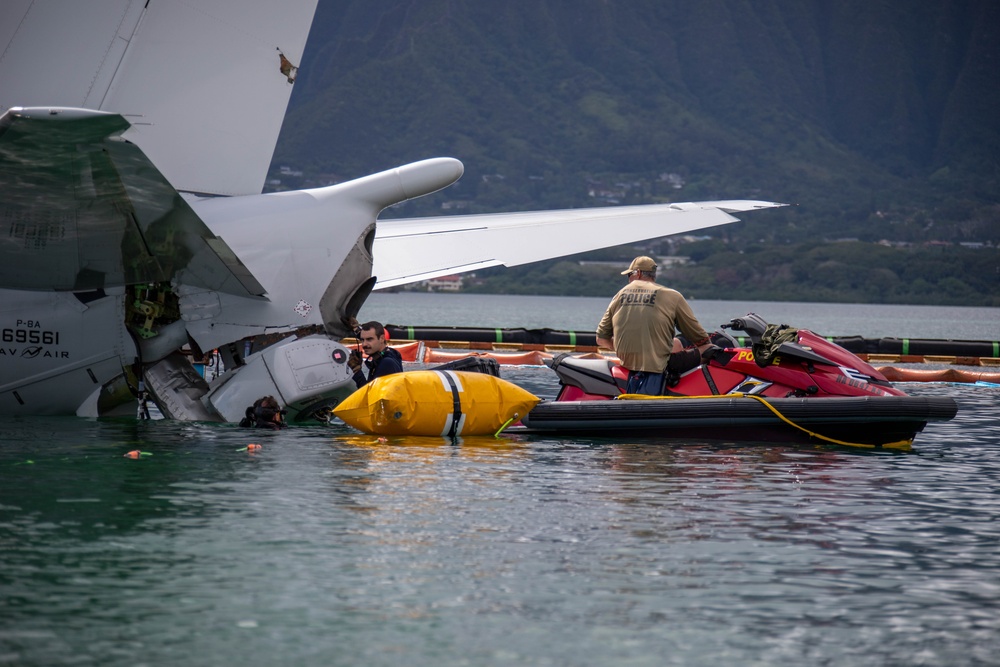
[(135, 137)]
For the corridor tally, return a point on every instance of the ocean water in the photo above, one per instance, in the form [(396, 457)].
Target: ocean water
[(327, 547)]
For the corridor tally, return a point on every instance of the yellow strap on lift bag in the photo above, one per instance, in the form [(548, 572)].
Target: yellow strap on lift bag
[(443, 403)]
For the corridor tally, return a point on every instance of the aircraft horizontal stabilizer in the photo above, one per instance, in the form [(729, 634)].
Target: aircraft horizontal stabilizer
[(86, 210), (412, 250)]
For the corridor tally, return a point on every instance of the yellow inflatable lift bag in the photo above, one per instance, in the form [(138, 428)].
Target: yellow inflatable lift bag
[(441, 403)]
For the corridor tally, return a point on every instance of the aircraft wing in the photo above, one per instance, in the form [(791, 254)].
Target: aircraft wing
[(412, 250), (84, 209)]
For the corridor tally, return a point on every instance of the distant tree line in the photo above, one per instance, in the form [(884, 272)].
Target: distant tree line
[(848, 272)]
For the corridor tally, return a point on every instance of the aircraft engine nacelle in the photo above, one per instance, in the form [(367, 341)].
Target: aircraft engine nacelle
[(304, 375)]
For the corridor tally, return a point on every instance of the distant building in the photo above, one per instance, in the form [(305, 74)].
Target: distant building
[(676, 181), (445, 284)]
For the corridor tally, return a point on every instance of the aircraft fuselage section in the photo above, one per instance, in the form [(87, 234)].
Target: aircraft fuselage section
[(58, 350), (33, 341)]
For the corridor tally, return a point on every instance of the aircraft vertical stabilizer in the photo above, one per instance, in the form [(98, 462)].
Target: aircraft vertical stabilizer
[(205, 84)]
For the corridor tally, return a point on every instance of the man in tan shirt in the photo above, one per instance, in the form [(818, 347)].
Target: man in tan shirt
[(639, 326)]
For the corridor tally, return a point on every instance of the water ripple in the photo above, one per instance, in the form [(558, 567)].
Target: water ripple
[(328, 547)]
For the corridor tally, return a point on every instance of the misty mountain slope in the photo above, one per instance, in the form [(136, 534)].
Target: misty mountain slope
[(875, 118)]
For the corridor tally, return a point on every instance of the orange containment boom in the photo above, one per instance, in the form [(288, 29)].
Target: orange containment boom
[(532, 358), (937, 375)]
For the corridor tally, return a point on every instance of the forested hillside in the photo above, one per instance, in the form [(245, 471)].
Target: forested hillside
[(849, 272), (877, 120)]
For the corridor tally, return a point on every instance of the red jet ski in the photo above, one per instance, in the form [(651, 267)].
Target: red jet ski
[(788, 385)]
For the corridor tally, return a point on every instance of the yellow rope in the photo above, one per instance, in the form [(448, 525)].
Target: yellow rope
[(505, 425), (899, 444)]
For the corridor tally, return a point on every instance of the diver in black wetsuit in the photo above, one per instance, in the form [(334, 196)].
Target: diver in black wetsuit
[(264, 413), (382, 360)]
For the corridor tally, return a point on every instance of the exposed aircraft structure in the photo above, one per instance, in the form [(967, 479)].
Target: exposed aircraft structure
[(135, 137)]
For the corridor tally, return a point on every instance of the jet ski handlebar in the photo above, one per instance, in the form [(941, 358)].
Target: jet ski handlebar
[(751, 323)]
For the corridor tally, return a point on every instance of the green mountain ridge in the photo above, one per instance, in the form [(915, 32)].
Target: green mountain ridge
[(877, 120)]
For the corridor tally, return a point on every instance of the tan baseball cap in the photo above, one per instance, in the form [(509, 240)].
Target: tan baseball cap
[(641, 264)]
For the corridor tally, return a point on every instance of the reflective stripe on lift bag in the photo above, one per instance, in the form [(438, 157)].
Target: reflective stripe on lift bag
[(456, 417)]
